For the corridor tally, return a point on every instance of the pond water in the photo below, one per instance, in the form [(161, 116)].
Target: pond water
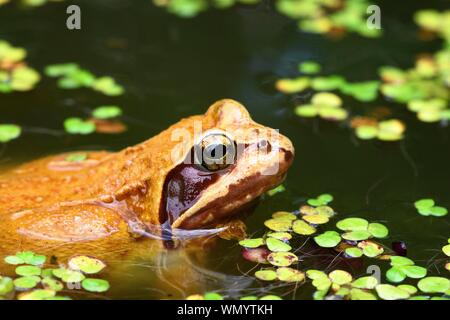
[(172, 68)]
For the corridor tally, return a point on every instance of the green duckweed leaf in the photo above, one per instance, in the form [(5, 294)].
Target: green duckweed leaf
[(78, 126), (340, 277), (76, 157), (434, 285), (322, 284), (282, 259), (378, 230), (276, 190), (398, 261), (249, 298), (58, 70), (366, 132), (278, 224), (408, 288), (309, 67), (86, 264), (6, 285), (358, 294), (357, 235), (266, 275), (284, 215), (328, 83), (108, 86), (211, 296), (276, 245), (316, 274), (438, 211), (290, 275), (353, 252), (302, 228), (390, 292), (414, 272), (252, 243), (395, 274), (290, 86), (9, 132), (368, 282), (446, 250), (372, 250), (270, 297), (328, 239), (283, 236), (30, 257), (14, 260), (353, 224), (27, 271), (107, 112), (306, 111), (95, 285), (316, 218), (27, 282), (326, 99), (67, 275), (39, 294)]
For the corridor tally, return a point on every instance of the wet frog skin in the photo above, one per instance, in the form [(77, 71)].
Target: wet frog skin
[(105, 204)]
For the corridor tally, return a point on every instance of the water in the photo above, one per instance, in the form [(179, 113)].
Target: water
[(172, 68)]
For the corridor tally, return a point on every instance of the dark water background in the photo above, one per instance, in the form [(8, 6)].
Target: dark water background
[(172, 68)]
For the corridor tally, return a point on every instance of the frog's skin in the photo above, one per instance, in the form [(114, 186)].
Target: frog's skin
[(102, 204)]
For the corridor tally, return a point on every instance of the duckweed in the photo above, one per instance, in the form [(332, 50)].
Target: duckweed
[(9, 132), (86, 264), (95, 285), (76, 157), (71, 76), (325, 105), (427, 207), (282, 259), (403, 267), (107, 112), (79, 126), (434, 285), (15, 75), (328, 239)]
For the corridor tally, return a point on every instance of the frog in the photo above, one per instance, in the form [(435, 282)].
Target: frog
[(187, 182)]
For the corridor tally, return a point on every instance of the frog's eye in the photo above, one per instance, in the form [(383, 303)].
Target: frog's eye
[(218, 151)]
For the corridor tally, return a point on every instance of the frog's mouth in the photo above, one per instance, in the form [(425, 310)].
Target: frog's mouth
[(194, 199)]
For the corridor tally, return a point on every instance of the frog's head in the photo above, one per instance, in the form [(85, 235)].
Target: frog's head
[(232, 161)]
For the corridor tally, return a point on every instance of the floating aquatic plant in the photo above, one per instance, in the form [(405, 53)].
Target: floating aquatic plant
[(15, 75), (79, 126), (276, 190), (434, 21), (329, 17), (218, 296), (37, 283), (30, 3), (76, 157), (388, 130), (26, 257), (402, 268), (71, 76), (325, 105), (423, 88), (434, 285), (9, 132), (427, 207), (191, 8), (86, 264)]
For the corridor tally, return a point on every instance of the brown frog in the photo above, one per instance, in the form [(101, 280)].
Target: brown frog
[(198, 173)]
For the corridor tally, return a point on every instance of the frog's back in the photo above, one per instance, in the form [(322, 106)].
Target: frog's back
[(48, 181)]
